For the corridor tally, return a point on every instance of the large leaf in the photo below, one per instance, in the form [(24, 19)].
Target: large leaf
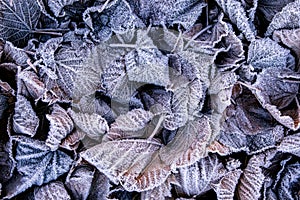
[(288, 18), (196, 179), (25, 120), (134, 163), (36, 165), (265, 53), (18, 19)]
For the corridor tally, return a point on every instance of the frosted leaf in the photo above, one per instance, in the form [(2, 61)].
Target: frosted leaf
[(13, 54), (71, 142), (196, 179), (60, 126), (289, 185), (265, 53), (281, 95), (25, 120), (268, 9), (252, 179), (183, 12), (290, 38), (93, 125), (18, 20), (118, 84), (188, 97), (189, 143), (129, 124), (147, 65), (57, 6), (287, 18), (290, 144), (134, 163), (232, 54), (52, 191), (217, 147), (7, 163), (79, 181), (160, 192), (226, 186), (237, 14), (100, 187), (34, 86), (36, 164)]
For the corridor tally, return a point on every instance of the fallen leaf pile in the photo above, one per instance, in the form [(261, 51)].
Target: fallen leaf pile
[(149, 99)]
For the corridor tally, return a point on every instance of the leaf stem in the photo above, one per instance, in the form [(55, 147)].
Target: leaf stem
[(123, 45), (197, 35)]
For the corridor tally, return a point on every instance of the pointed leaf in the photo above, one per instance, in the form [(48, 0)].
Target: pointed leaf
[(93, 125), (60, 125), (25, 120), (18, 20)]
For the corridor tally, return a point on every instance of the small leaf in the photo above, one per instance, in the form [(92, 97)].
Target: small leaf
[(60, 126), (18, 20), (93, 125), (287, 18), (52, 191), (25, 120)]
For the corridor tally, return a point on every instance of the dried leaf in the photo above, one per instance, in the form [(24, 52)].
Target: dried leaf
[(281, 95), (252, 179), (93, 125), (13, 54), (196, 179), (291, 144), (25, 121), (265, 53), (129, 124), (189, 144), (60, 126), (18, 20), (237, 14), (226, 186), (52, 191), (34, 86), (290, 38), (287, 18), (147, 65), (71, 142), (134, 163)]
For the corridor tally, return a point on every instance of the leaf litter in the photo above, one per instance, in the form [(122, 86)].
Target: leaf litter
[(145, 99)]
